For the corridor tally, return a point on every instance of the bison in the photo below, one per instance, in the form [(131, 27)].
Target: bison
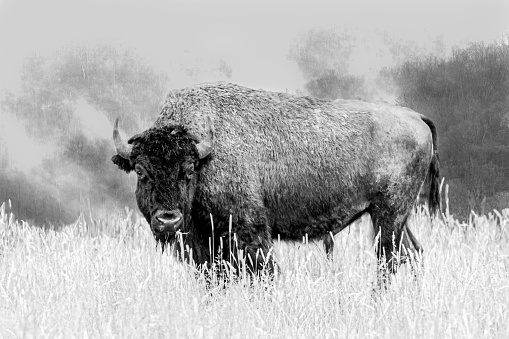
[(280, 166)]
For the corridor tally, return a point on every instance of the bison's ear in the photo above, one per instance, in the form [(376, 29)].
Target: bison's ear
[(122, 163)]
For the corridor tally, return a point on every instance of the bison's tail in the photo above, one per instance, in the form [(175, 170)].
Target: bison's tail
[(433, 172)]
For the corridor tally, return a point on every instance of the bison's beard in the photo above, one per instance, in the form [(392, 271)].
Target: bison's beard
[(177, 238), (184, 245)]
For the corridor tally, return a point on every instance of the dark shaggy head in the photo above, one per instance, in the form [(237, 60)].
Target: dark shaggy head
[(165, 160)]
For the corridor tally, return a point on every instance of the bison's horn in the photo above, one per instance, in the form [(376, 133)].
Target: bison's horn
[(123, 149), (204, 147)]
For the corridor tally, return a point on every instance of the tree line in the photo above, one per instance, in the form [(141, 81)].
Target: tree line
[(76, 175), (466, 95)]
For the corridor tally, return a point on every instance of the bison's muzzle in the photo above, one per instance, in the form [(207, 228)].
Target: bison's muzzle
[(166, 221)]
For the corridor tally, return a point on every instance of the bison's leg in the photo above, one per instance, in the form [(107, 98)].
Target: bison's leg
[(389, 230), (251, 249), (328, 243), (396, 244), (414, 244), (260, 258), (408, 245), (411, 248), (328, 239)]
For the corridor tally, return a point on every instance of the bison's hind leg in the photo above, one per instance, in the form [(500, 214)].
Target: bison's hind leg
[(328, 244), (328, 238), (395, 244), (410, 246)]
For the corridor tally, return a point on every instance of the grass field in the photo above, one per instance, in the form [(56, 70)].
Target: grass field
[(107, 279)]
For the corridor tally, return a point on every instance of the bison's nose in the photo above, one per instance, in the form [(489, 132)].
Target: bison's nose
[(168, 221)]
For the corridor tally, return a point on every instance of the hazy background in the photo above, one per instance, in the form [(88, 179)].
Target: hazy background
[(68, 68)]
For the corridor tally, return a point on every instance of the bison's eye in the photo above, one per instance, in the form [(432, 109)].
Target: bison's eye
[(188, 171), (140, 172)]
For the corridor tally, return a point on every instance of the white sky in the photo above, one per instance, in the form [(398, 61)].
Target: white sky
[(252, 37)]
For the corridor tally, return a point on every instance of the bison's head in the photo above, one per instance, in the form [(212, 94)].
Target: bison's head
[(166, 160)]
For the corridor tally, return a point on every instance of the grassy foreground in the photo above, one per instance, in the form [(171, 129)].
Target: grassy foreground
[(108, 280)]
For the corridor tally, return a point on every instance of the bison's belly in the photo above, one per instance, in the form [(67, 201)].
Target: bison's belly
[(313, 211), (313, 223), (299, 231)]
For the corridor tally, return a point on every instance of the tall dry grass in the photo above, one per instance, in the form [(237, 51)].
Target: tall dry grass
[(107, 279)]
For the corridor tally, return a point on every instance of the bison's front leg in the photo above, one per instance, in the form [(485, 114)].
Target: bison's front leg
[(250, 250)]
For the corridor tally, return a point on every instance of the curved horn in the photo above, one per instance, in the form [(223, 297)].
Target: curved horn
[(123, 149), (204, 147)]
